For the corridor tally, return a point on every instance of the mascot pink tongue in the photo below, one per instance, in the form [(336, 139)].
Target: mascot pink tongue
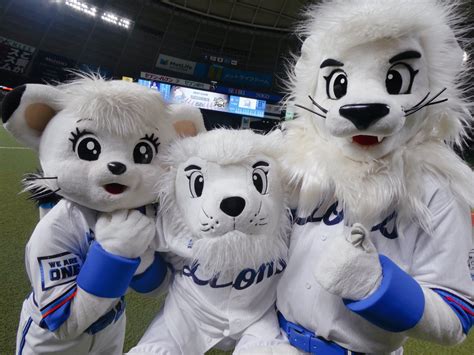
[(365, 140), (380, 246)]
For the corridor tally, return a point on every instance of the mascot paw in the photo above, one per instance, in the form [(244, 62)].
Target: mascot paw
[(126, 233), (279, 349), (350, 267)]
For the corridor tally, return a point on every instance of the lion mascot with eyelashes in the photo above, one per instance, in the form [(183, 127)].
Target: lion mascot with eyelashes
[(225, 226), (380, 245), (97, 142)]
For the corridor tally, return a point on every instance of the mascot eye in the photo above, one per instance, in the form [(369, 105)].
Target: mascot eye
[(260, 180), (143, 153), (336, 84), (88, 149), (85, 145), (145, 150), (400, 79), (196, 184)]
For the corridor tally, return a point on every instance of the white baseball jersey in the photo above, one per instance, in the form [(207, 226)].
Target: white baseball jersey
[(202, 311), (53, 257), (438, 261)]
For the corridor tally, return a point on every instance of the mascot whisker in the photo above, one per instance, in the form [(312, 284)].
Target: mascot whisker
[(225, 227), (380, 246)]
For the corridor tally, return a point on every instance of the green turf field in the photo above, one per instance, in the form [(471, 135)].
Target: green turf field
[(17, 220)]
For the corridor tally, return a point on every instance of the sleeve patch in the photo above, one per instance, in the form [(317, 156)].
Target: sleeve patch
[(58, 269)]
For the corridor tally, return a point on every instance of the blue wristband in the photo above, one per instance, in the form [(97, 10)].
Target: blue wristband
[(104, 274), (152, 277), (397, 305), (47, 205)]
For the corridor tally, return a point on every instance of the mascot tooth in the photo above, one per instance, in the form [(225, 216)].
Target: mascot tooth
[(97, 142), (380, 245), (225, 227)]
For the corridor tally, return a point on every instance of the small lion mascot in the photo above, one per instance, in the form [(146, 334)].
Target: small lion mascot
[(379, 249), (97, 142), (225, 225)]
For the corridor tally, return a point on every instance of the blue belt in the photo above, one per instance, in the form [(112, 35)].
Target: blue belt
[(306, 340), (111, 316)]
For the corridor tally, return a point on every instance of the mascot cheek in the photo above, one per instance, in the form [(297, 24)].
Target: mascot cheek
[(188, 205)]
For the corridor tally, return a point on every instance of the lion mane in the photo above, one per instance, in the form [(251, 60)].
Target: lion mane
[(223, 147)]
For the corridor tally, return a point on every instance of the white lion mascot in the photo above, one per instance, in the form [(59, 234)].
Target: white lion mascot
[(97, 142), (379, 92), (226, 223)]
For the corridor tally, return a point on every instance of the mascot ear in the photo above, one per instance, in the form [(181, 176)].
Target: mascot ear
[(187, 120), (27, 110)]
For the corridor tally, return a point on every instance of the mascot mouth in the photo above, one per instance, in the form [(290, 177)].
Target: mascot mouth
[(115, 189), (367, 140)]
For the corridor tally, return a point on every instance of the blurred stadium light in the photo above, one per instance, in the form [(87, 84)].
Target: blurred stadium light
[(90, 10)]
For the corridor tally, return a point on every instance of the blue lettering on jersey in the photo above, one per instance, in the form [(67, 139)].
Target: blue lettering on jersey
[(58, 269), (388, 227), (90, 237), (333, 216), (245, 278)]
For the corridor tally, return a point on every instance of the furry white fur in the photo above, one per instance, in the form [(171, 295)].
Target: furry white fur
[(117, 107), (119, 116), (226, 158), (321, 158)]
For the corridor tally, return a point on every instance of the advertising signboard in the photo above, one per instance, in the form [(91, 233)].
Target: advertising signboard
[(246, 106), (164, 89), (174, 81), (175, 64), (207, 100), (198, 98), (51, 67), (248, 93), (240, 77), (14, 56)]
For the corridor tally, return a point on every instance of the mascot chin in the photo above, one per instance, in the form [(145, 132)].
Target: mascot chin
[(225, 227), (380, 244), (97, 143)]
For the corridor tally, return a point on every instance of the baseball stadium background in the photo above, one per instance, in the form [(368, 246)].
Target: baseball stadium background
[(223, 50)]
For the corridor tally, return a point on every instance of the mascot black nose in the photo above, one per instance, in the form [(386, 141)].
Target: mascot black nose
[(364, 115), (232, 206), (116, 168)]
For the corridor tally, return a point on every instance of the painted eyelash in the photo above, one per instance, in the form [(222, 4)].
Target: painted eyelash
[(153, 140), (76, 135)]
